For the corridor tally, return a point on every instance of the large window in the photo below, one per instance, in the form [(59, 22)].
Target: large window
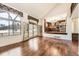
[(10, 24)]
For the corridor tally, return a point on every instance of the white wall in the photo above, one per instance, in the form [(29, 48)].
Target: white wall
[(75, 20), (75, 24), (57, 36), (69, 26)]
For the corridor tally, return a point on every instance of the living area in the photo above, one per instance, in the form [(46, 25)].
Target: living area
[(39, 29)]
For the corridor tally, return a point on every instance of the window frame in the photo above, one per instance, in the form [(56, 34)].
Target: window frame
[(9, 19)]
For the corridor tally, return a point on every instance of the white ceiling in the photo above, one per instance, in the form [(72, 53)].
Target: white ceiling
[(56, 18), (59, 12), (60, 9), (41, 10), (37, 10)]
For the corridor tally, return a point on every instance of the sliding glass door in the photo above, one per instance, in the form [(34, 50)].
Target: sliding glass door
[(35, 30), (30, 30), (33, 24)]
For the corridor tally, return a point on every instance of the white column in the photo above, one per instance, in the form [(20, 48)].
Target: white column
[(69, 26)]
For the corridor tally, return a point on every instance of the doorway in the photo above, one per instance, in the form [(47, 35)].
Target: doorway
[(32, 30)]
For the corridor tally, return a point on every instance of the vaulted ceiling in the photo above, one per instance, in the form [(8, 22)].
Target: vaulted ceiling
[(41, 10)]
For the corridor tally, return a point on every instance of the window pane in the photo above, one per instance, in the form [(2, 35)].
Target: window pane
[(3, 27), (18, 18), (4, 14), (35, 30), (25, 31), (39, 30), (12, 15), (30, 30), (17, 26), (11, 27)]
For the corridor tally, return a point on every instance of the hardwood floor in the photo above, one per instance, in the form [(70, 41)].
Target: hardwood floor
[(74, 47), (40, 46)]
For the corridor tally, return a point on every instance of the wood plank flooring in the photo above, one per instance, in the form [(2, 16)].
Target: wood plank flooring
[(41, 46)]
